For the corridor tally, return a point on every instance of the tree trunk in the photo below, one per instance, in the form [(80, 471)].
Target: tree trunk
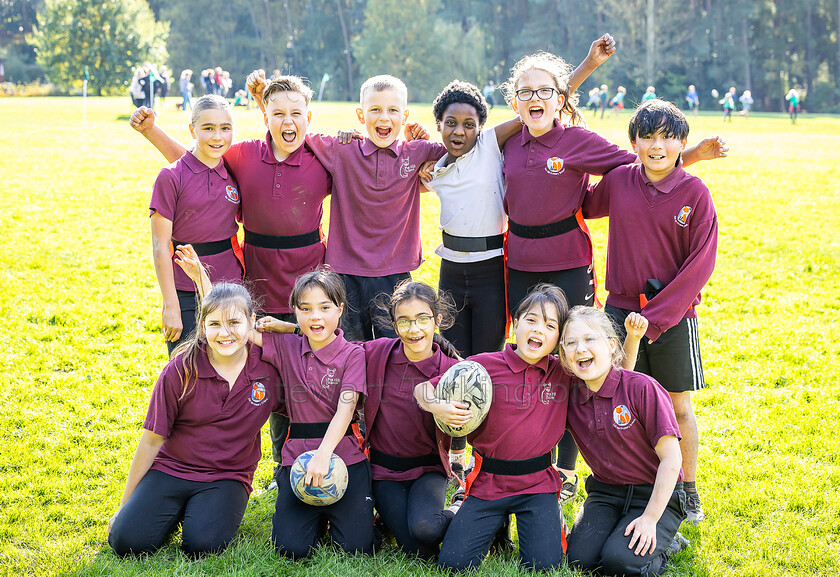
[(809, 48), (347, 50), (291, 38), (649, 62), (745, 45), (272, 49)]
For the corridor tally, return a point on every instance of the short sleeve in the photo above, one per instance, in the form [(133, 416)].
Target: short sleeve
[(355, 373), (164, 404), (324, 149), (165, 194)]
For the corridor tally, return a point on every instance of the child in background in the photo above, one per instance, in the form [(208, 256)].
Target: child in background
[(324, 380), (195, 201), (617, 102), (746, 101), (195, 461), (728, 102), (649, 94), (661, 252), (628, 523), (793, 104), (186, 87), (594, 100), (604, 96), (375, 206), (547, 169), (693, 100), (513, 472)]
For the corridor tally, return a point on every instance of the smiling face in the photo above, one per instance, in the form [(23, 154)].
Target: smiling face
[(537, 114), (415, 324), (459, 128), (536, 333), (658, 154), (318, 317), (227, 333), (287, 118), (213, 134), (587, 352), (383, 112)]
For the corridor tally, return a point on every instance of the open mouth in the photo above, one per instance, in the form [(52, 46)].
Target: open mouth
[(289, 136), (456, 143), (316, 329), (535, 112), (383, 133), (534, 343), (656, 156), (584, 363)]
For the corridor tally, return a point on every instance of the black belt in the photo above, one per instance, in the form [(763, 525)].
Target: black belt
[(207, 248), (515, 468), (555, 228), (313, 430), (402, 463), (291, 241), (472, 244)]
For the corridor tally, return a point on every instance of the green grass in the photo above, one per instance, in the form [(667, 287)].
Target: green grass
[(81, 309)]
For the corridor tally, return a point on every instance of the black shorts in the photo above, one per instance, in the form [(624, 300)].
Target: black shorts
[(673, 359)]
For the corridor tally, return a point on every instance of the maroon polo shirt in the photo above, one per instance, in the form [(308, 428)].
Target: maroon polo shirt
[(546, 179), (213, 432), (279, 199), (202, 204), (665, 230), (375, 206), (401, 427), (617, 428), (527, 418), (313, 382)]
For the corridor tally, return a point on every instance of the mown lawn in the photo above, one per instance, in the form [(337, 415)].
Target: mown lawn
[(80, 309)]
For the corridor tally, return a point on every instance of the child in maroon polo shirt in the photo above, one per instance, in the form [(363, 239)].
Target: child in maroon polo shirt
[(323, 380), (661, 253), (196, 201), (513, 472), (624, 424), (195, 461), (374, 237)]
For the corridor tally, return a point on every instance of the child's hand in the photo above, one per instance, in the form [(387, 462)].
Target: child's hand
[(415, 131), (171, 321), (272, 325), (318, 468), (712, 148), (187, 259), (452, 414), (426, 169), (256, 82), (601, 49), (635, 325), (347, 136), (644, 535), (142, 119)]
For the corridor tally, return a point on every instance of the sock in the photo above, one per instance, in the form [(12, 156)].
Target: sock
[(690, 487)]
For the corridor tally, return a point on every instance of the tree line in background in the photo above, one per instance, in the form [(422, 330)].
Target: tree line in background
[(767, 46)]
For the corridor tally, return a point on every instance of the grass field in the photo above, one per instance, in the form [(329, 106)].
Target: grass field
[(81, 310)]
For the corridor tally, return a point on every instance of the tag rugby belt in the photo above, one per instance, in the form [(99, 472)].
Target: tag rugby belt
[(291, 241), (515, 468), (555, 228), (314, 430), (472, 244), (395, 463), (207, 248)]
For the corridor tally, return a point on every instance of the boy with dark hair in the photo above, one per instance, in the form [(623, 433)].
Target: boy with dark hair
[(661, 253)]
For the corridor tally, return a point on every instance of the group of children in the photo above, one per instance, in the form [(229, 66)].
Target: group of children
[(346, 358)]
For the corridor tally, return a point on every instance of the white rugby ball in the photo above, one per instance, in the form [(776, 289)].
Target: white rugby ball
[(466, 382), (332, 487), (715, 93)]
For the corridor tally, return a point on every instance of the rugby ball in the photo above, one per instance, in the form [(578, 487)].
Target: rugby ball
[(466, 382), (715, 93), (332, 487)]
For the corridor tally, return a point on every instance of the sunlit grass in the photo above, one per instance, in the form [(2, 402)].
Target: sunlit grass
[(81, 314)]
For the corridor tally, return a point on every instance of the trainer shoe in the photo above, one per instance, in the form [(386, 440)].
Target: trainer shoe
[(458, 473), (693, 508), (678, 543), (272, 485), (456, 501), (569, 490)]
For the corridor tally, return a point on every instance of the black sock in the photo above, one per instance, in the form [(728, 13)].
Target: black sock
[(690, 487)]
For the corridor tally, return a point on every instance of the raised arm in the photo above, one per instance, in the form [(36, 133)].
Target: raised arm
[(147, 449), (256, 83), (143, 121), (187, 259), (635, 326), (599, 52), (709, 148)]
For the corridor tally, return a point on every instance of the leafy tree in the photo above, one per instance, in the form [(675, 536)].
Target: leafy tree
[(110, 38)]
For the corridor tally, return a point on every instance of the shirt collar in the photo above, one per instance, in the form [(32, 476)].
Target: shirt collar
[(197, 167), (517, 364), (582, 393), (368, 147), (268, 153), (668, 183), (429, 367), (548, 139), (328, 353)]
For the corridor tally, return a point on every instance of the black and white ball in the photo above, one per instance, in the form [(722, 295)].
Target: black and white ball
[(466, 382)]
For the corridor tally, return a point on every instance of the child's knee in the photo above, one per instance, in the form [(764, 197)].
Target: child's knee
[(205, 543)]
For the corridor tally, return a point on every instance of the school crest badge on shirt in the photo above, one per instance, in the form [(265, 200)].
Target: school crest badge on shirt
[(554, 165), (406, 168), (329, 379), (622, 417), (258, 394), (232, 194), (682, 217)]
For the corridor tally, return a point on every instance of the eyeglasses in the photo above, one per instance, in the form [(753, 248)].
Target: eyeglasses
[(572, 343), (542, 93), (423, 322)]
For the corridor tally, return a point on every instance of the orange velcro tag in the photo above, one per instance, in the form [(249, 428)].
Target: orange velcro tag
[(471, 477), (582, 224), (357, 432), (237, 252)]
